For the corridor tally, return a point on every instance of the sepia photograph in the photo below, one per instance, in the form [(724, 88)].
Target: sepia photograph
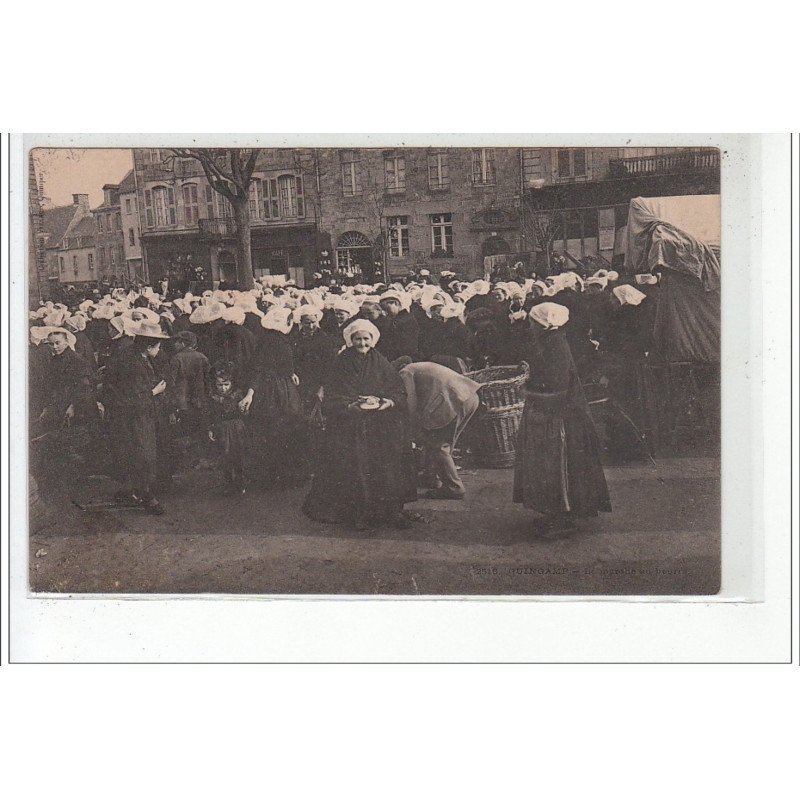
[(365, 371)]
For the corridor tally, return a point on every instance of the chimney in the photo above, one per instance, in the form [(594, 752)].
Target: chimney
[(81, 200)]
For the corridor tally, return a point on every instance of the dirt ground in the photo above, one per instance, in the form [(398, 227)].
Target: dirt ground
[(663, 537)]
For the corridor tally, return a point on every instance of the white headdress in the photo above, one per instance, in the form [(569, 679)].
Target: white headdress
[(550, 315)]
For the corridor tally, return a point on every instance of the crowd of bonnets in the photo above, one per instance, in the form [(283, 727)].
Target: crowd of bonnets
[(362, 390)]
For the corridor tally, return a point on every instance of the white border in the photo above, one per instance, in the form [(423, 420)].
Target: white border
[(755, 191)]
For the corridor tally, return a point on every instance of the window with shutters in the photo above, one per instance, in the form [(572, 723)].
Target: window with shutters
[(394, 174), (283, 197), (572, 163), (256, 198), (209, 198), (224, 207), (398, 236), (442, 234), (438, 171), (160, 206), (270, 202), (483, 173), (191, 210), (351, 185)]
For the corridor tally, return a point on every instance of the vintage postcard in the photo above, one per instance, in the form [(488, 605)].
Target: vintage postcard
[(427, 370)]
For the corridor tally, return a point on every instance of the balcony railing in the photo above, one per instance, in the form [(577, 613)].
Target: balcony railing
[(665, 164), (217, 228)]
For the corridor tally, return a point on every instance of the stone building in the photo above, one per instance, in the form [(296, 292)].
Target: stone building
[(131, 235), (56, 224), (402, 208), (577, 199), (111, 264), (388, 211), (76, 256)]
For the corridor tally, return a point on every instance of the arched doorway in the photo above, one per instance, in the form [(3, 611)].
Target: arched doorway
[(495, 246), (354, 253)]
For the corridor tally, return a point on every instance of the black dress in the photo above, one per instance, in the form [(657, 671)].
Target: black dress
[(558, 469), (365, 462)]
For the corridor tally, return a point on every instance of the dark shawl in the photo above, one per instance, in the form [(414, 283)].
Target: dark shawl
[(558, 465), (69, 382), (365, 462), (313, 356)]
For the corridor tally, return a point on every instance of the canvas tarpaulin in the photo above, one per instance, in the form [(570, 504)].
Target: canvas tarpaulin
[(663, 236)]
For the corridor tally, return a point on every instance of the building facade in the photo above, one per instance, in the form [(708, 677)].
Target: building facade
[(111, 264), (577, 199), (131, 234), (76, 257), (372, 212), (350, 210), (57, 224)]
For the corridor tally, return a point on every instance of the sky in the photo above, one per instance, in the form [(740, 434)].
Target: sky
[(75, 170)]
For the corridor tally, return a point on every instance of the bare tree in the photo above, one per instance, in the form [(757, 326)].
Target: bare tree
[(546, 228), (375, 194), (229, 172)]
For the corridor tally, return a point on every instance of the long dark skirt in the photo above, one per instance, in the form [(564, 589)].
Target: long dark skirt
[(558, 469), (134, 439), (272, 426), (365, 468), (230, 440)]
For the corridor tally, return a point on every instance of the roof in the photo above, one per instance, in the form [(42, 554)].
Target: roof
[(127, 184), (85, 229), (55, 222)]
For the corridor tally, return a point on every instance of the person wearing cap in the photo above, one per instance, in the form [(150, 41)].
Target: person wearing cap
[(226, 428), (365, 468), (626, 354), (69, 383), (132, 387), (84, 347), (558, 471), (400, 331), (190, 372), (271, 403), (232, 343), (443, 333), (313, 351)]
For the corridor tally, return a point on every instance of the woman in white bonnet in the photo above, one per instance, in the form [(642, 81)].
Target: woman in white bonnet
[(558, 471), (272, 403), (365, 468)]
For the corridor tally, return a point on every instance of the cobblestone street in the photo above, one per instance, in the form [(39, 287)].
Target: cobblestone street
[(663, 537)]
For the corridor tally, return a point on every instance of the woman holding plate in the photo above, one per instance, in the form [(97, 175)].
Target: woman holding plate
[(365, 469)]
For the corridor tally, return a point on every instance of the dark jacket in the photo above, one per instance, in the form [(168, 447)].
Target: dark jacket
[(399, 337), (190, 372), (449, 337)]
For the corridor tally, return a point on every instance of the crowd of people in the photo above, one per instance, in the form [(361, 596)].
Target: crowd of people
[(361, 389)]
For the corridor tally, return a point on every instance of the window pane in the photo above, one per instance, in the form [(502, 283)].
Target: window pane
[(563, 164), (579, 160)]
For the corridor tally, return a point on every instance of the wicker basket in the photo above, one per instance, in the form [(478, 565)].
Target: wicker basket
[(495, 436), (501, 386)]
